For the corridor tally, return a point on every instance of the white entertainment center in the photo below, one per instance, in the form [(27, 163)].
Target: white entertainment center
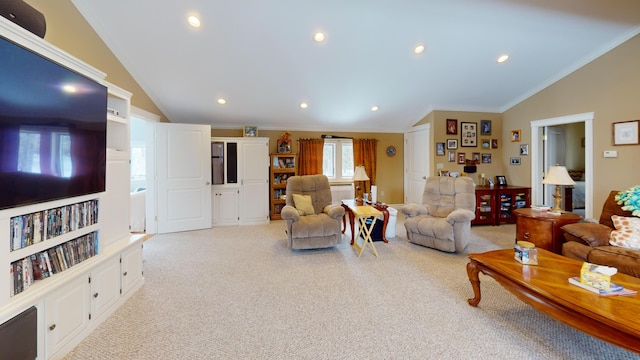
[(73, 301)]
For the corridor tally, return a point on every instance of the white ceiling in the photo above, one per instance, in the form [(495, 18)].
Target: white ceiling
[(260, 56)]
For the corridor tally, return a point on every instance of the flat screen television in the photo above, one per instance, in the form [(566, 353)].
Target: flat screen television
[(53, 128)]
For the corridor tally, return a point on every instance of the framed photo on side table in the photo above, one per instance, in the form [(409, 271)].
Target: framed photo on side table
[(626, 132), (501, 180)]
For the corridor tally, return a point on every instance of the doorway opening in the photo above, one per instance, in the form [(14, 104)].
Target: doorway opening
[(138, 168), (568, 141)]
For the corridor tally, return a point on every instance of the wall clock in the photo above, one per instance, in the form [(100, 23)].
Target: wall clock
[(391, 150)]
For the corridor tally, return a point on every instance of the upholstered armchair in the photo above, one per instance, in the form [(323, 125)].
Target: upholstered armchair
[(312, 220), (443, 220)]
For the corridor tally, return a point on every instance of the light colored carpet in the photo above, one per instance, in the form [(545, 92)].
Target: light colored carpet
[(239, 293)]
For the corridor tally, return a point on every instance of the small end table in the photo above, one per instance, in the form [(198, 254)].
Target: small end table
[(350, 204), (542, 228)]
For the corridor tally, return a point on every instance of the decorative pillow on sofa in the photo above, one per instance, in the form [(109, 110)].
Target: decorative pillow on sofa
[(627, 232), (303, 204)]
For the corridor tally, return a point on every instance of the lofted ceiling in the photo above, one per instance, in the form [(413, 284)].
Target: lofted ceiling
[(260, 56)]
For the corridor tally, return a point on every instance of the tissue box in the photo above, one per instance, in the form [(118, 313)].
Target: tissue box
[(597, 276), (525, 252)]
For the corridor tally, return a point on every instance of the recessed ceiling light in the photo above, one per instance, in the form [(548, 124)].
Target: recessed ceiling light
[(374, 108), (193, 21), (222, 101), (319, 36), (418, 49), (503, 58), (304, 105)]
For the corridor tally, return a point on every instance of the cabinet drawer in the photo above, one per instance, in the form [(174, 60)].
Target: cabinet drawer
[(538, 232)]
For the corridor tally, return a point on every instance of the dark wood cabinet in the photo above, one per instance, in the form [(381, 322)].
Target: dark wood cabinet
[(543, 228), (495, 204)]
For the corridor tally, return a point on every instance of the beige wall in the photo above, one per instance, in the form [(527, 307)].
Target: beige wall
[(438, 121), (68, 30), (390, 169), (609, 87)]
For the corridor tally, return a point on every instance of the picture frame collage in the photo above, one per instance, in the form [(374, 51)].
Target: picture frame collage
[(471, 136)]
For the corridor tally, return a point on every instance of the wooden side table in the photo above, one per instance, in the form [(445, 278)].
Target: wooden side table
[(349, 204), (542, 228)]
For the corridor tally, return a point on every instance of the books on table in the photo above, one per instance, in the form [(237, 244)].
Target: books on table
[(540, 207), (614, 290)]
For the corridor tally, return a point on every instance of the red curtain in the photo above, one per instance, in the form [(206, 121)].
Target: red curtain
[(365, 153), (310, 157)]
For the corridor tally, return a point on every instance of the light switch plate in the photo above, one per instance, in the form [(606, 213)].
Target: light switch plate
[(611, 153)]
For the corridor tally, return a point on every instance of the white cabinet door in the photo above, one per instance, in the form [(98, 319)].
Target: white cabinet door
[(254, 193), (105, 286), (131, 268), (66, 314), (225, 206)]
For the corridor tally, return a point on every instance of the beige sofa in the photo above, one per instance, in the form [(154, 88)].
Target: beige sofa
[(443, 220), (321, 228)]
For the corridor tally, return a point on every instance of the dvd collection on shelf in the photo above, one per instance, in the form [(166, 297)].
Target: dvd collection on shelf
[(34, 228), (30, 229), (38, 266)]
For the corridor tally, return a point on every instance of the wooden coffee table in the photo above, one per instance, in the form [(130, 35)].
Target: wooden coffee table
[(545, 287)]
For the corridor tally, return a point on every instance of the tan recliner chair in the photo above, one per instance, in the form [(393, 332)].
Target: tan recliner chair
[(316, 225), (443, 221)]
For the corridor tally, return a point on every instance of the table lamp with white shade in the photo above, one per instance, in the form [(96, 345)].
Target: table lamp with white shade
[(558, 176), (359, 176)]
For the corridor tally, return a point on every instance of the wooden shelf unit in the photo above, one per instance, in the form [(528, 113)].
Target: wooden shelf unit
[(283, 166), (495, 204)]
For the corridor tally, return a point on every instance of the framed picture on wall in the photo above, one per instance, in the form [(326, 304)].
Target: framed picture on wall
[(524, 149), (486, 158), (626, 132), (452, 144), (486, 144), (461, 158), (485, 127), (494, 143), (515, 135), (452, 127), (476, 158), (468, 134), (452, 156), (440, 149), (515, 161)]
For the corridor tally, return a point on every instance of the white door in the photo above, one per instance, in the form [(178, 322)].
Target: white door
[(254, 175), (417, 167), (183, 177)]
